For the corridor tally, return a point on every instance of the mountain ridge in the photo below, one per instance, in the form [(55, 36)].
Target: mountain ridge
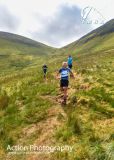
[(93, 39), (107, 28), (21, 39)]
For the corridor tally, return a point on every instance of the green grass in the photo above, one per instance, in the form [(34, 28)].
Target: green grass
[(26, 99), (18, 53)]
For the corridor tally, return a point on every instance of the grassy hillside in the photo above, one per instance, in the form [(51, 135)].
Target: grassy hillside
[(31, 112), (99, 40), (17, 52)]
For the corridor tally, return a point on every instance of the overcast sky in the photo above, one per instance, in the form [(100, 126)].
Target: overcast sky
[(54, 22)]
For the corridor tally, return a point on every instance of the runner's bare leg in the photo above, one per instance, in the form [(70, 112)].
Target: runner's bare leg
[(65, 94)]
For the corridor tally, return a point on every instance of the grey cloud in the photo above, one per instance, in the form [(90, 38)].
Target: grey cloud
[(8, 21), (65, 25)]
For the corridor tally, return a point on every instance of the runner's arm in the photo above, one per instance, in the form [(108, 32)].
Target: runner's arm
[(58, 73), (71, 74)]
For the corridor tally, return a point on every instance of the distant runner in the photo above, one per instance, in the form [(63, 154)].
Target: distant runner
[(70, 60), (64, 80), (44, 67)]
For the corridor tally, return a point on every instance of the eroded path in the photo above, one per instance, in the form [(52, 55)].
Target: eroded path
[(56, 118)]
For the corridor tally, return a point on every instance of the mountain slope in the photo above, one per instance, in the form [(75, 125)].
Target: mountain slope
[(100, 39), (31, 113), (23, 43), (40, 120), (17, 52)]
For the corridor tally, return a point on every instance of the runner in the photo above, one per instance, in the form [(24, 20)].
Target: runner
[(44, 67), (70, 60), (64, 80)]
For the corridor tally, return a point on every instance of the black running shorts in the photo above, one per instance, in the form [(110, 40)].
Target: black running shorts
[(64, 83), (70, 66), (45, 71)]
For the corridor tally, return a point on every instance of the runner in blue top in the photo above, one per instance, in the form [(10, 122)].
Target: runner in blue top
[(64, 79), (70, 60)]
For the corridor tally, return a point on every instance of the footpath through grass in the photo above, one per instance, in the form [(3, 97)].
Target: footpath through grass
[(29, 109)]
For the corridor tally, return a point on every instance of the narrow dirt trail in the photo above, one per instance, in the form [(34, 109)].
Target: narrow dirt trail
[(44, 131), (48, 127)]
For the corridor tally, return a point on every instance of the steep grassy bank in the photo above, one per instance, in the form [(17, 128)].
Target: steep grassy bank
[(17, 52), (30, 107), (26, 100)]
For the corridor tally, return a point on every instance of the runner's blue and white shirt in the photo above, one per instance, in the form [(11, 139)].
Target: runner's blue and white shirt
[(64, 73)]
